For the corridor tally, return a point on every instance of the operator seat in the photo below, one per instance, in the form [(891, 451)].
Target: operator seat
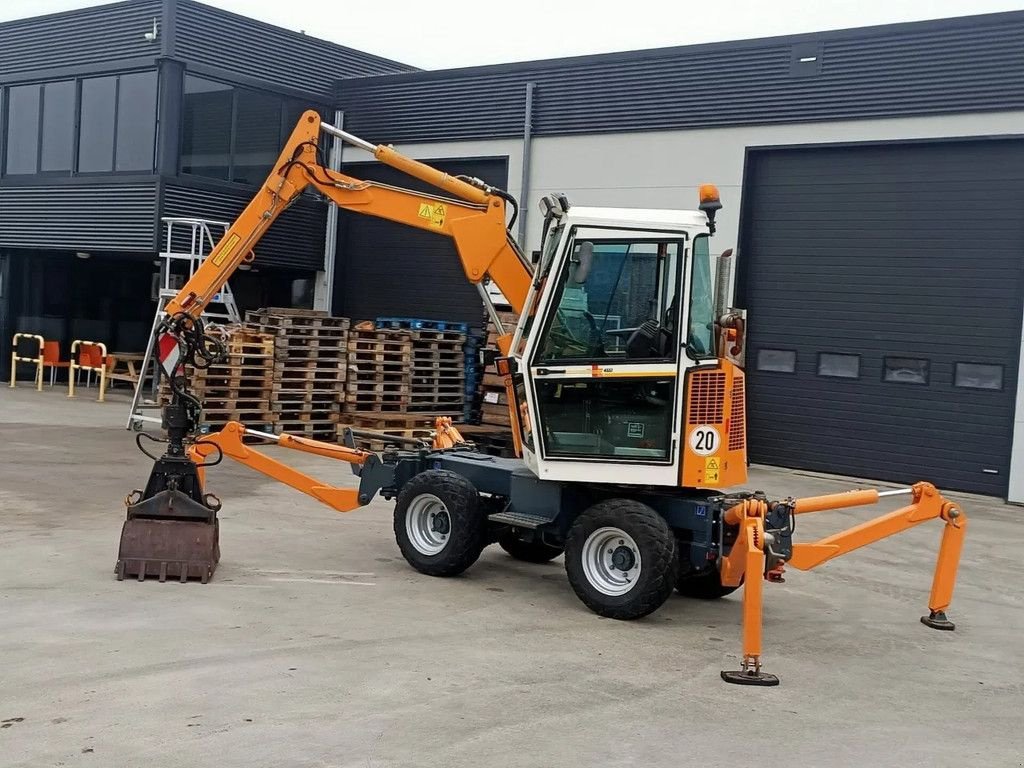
[(648, 340)]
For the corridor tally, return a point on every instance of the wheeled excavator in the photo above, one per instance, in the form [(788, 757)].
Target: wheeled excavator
[(626, 401)]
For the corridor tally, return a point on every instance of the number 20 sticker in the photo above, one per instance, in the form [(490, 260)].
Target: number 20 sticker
[(704, 440)]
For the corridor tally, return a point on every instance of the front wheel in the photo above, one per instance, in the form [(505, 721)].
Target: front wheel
[(438, 524), (620, 557)]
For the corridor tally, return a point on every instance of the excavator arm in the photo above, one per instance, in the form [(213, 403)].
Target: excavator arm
[(171, 527), (473, 216)]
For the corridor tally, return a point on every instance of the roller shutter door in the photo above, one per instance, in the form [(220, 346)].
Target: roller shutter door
[(884, 285), (387, 269)]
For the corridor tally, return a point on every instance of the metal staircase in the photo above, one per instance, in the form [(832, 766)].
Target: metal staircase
[(187, 242)]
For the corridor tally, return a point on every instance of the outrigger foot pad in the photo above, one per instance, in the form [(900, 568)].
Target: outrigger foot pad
[(745, 677), (938, 620)]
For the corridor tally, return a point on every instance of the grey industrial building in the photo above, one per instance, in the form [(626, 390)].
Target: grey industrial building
[(872, 182)]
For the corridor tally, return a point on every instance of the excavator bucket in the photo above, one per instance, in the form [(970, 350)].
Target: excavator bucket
[(171, 530)]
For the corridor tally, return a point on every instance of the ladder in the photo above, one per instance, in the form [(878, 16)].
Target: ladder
[(187, 242)]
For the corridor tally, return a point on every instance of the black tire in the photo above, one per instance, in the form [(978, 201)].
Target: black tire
[(535, 551), (706, 585), (460, 545), (655, 551)]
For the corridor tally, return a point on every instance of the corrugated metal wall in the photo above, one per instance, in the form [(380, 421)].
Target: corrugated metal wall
[(953, 65), (388, 269), (254, 50), (97, 216), (80, 39), (295, 240)]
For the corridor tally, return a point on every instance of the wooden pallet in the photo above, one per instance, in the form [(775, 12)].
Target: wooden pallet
[(244, 415), (320, 429), (384, 421), (377, 445), (284, 317), (431, 336), (491, 439)]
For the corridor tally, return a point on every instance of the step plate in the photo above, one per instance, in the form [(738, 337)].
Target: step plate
[(519, 520)]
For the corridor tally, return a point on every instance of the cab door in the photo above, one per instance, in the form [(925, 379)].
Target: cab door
[(603, 359)]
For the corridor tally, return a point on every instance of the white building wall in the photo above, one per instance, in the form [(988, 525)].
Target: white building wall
[(662, 169)]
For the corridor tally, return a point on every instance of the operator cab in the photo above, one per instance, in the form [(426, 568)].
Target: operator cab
[(620, 310)]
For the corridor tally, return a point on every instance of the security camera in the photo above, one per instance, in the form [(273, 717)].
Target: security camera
[(152, 34)]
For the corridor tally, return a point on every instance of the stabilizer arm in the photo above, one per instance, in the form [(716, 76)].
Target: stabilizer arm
[(229, 442), (755, 555)]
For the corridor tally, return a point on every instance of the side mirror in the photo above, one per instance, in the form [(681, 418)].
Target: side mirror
[(584, 260)]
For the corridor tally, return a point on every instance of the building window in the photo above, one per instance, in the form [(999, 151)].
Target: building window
[(233, 133), (96, 136), (905, 370), (839, 366), (110, 121), (136, 122), (23, 104), (257, 136), (776, 360), (58, 135), (206, 139), (978, 376)]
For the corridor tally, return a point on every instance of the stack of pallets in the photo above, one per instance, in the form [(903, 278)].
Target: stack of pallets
[(494, 432), (309, 368), (403, 373), (239, 389), (379, 364), (438, 371)]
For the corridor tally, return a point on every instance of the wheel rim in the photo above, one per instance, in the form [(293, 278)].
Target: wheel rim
[(611, 561), (428, 524)]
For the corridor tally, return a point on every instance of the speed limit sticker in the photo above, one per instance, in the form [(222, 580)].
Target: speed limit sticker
[(704, 440)]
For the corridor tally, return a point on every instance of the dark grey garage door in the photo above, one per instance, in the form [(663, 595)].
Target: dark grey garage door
[(884, 285), (387, 269)]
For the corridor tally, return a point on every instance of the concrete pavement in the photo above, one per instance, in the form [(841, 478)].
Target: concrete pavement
[(316, 645)]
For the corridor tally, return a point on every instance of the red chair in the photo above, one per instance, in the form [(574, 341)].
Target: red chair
[(51, 359)]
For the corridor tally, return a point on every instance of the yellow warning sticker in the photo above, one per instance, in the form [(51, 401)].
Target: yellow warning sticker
[(225, 250), (712, 470), (435, 213)]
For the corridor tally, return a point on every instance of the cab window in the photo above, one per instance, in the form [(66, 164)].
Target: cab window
[(616, 300)]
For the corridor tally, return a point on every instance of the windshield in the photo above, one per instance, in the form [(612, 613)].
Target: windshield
[(701, 334), (616, 299)]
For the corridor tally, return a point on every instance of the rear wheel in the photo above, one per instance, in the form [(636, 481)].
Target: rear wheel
[(620, 557), (704, 586), (438, 525), (535, 551)]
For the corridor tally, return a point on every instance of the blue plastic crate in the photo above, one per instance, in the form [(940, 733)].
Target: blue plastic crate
[(417, 324)]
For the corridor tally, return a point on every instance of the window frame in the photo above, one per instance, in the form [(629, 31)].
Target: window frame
[(927, 370), (570, 239), (817, 368), (671, 445), (284, 130), (796, 359), (39, 130), (75, 126), (113, 133), (1002, 376), (76, 81)]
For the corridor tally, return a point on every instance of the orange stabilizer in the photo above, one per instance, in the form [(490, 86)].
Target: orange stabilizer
[(745, 563), (229, 440)]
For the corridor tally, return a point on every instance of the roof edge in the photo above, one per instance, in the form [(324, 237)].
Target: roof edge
[(949, 23)]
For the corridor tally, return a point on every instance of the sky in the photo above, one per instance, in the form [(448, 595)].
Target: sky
[(438, 34)]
